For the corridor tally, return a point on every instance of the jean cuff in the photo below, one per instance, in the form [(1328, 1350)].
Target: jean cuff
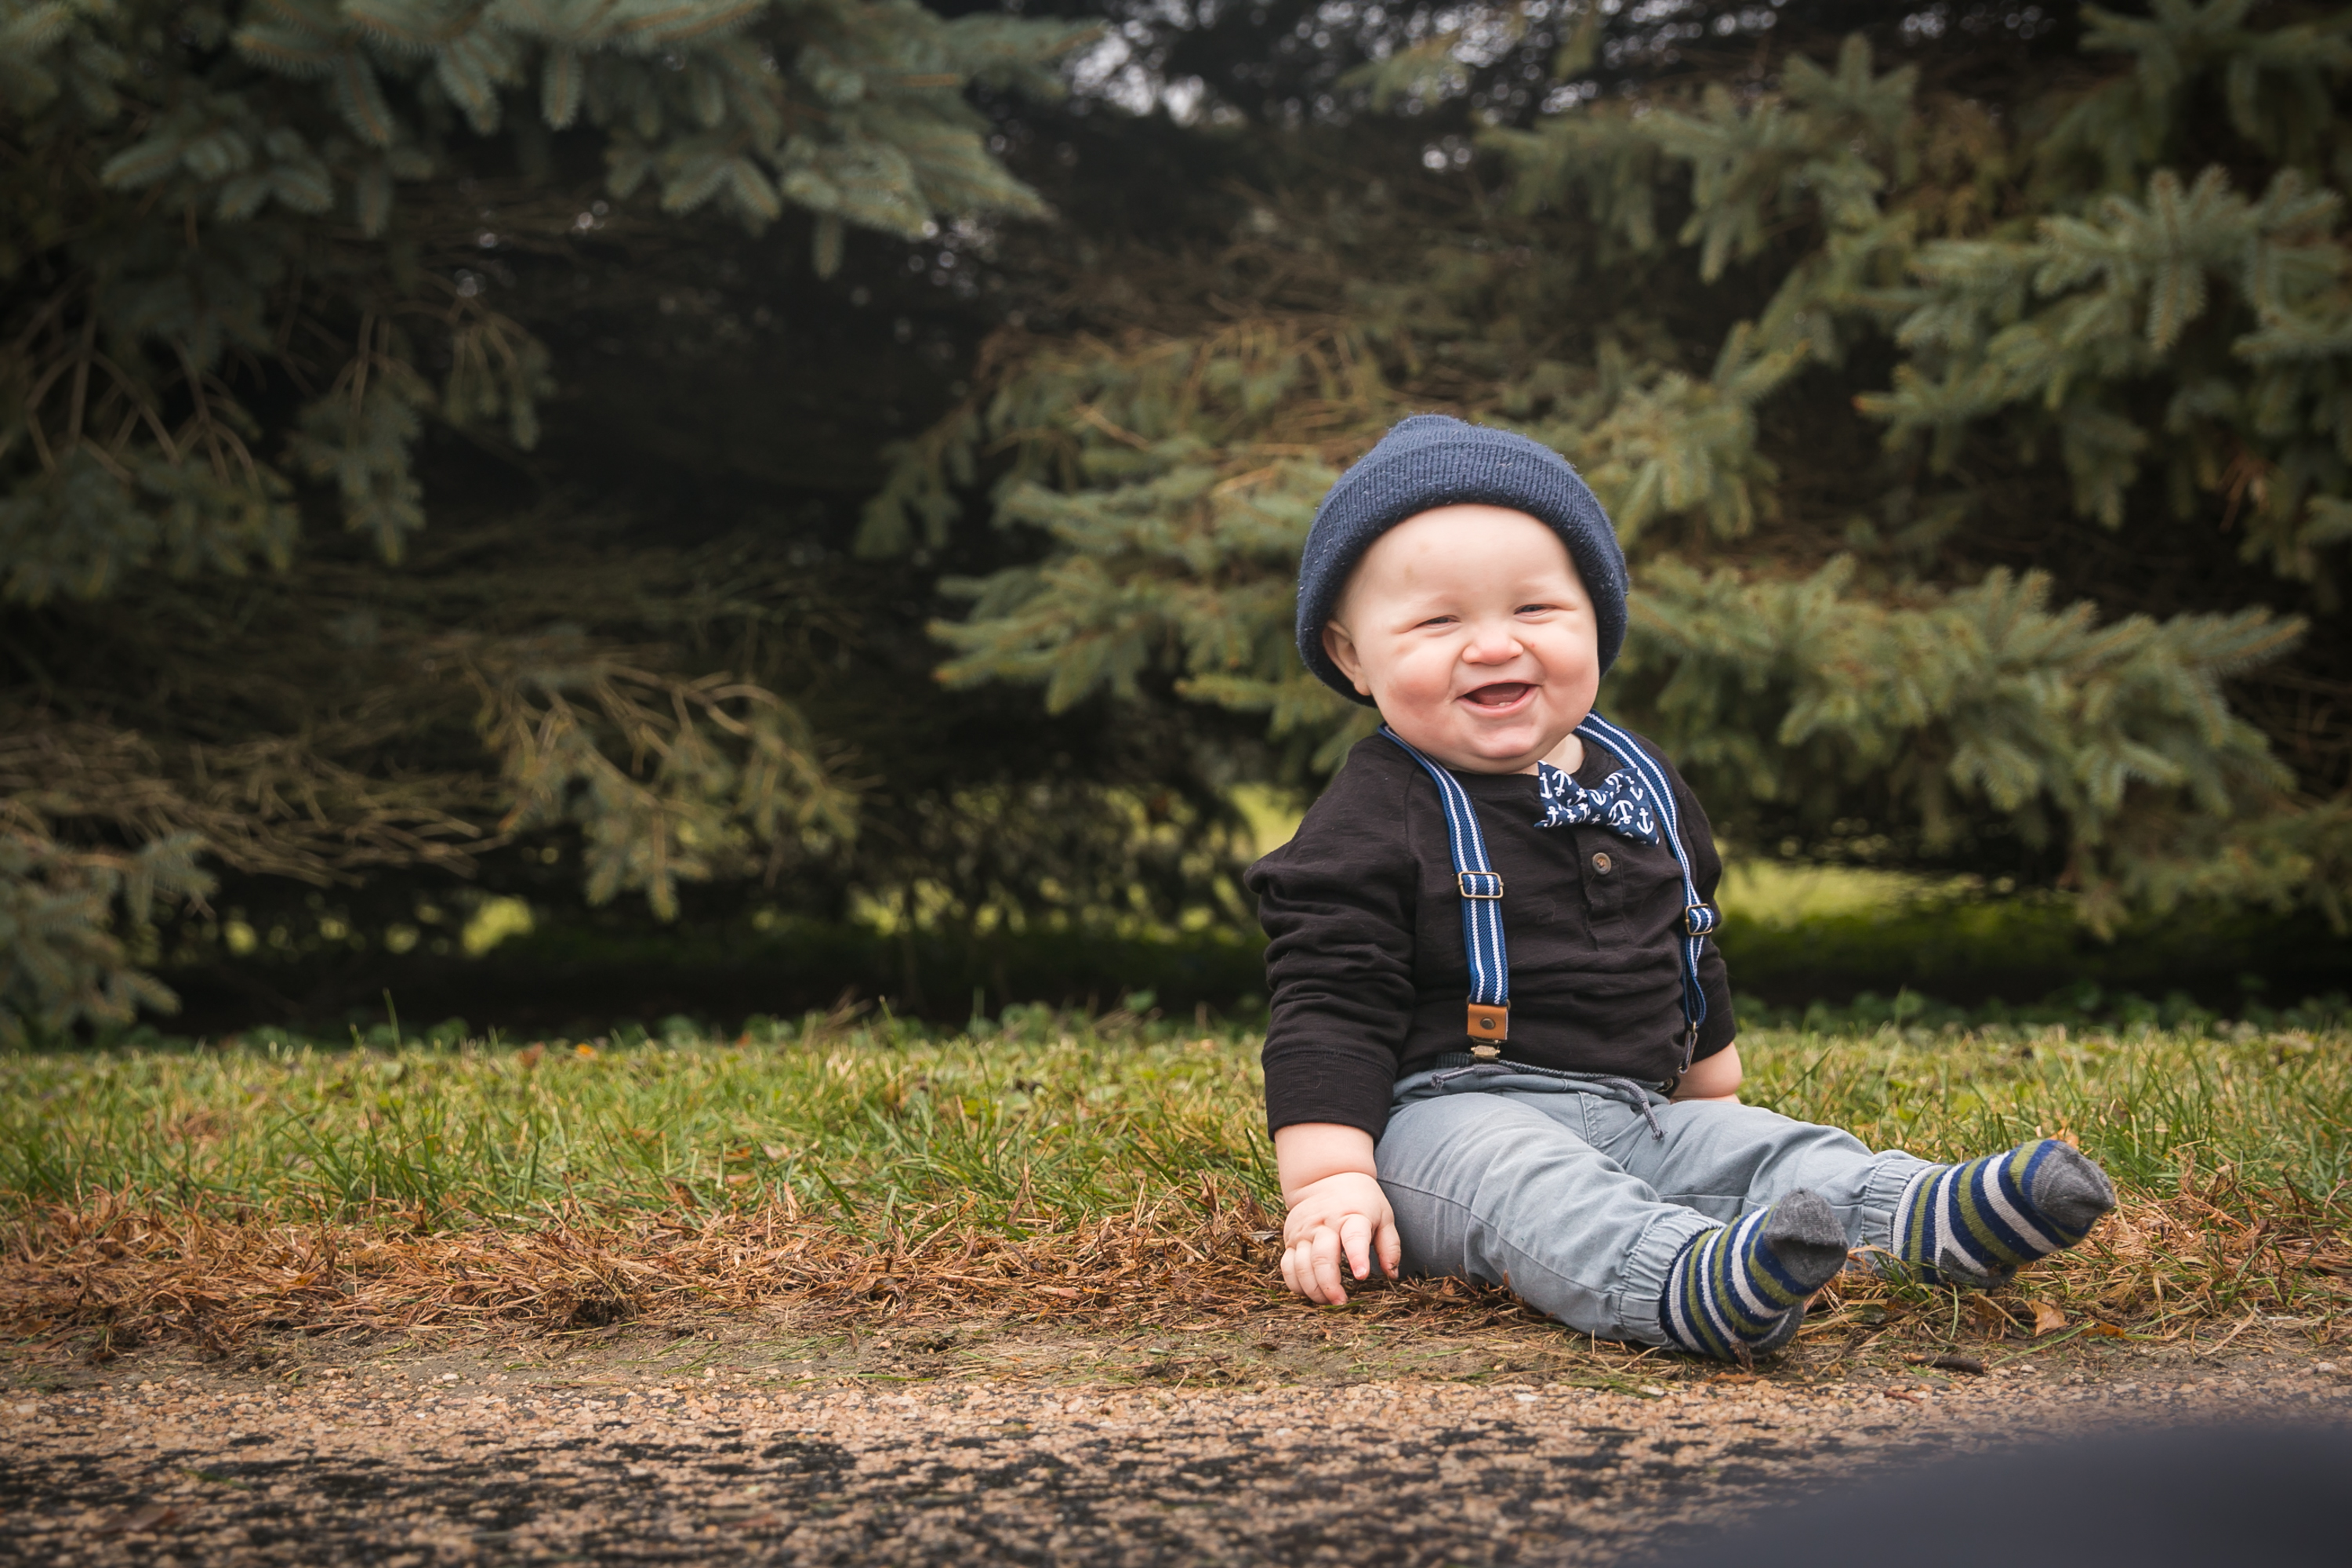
[(1891, 1175), (1644, 1277)]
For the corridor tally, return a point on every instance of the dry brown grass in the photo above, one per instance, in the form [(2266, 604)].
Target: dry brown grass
[(128, 1273), (115, 1274)]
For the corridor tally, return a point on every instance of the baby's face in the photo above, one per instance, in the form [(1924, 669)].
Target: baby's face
[(1470, 628)]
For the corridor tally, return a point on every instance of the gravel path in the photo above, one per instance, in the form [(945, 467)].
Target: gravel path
[(428, 1460)]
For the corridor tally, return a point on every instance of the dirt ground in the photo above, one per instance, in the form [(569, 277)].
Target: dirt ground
[(1304, 1443)]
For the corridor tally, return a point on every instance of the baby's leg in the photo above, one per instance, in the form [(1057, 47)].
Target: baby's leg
[(1505, 1188), (1974, 1224), (1725, 1160)]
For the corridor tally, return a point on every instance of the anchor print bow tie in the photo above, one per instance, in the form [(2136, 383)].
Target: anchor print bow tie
[(1619, 803)]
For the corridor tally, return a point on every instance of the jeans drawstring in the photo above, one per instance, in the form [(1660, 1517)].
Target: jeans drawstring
[(1638, 1097)]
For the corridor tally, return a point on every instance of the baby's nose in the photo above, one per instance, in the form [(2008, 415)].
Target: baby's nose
[(1492, 645)]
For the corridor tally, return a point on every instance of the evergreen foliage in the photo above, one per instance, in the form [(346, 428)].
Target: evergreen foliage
[(394, 514), (1844, 349), (232, 238)]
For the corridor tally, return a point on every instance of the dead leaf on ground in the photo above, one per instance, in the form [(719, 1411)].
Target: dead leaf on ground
[(153, 1516), (2047, 1319), (1990, 1314)]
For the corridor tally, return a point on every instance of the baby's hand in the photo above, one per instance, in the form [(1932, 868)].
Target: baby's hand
[(1344, 1214)]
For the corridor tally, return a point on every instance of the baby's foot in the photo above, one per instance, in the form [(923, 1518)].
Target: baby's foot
[(1976, 1224), (1739, 1291)]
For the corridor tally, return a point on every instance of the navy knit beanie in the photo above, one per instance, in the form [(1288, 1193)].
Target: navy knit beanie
[(1433, 461)]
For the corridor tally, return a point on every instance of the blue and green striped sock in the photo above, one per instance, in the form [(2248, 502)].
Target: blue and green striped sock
[(1739, 1291), (1976, 1224)]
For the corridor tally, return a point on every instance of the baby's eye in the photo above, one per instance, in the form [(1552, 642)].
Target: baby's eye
[(1534, 609), (1439, 621)]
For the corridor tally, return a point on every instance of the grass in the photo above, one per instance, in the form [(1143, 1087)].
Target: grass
[(1050, 1165), (1047, 1124)]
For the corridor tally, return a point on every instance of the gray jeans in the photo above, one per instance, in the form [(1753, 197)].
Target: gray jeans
[(1577, 1191)]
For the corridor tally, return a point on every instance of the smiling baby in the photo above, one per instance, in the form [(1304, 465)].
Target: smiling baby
[(1502, 1045)]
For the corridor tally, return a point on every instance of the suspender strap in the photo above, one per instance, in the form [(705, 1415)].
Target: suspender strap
[(1489, 1019), (1482, 891), (1699, 918)]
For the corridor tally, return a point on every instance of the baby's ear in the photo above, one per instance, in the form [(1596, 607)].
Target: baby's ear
[(1341, 649)]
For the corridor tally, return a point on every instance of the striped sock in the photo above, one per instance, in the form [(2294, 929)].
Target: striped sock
[(1976, 1224), (1739, 1290)]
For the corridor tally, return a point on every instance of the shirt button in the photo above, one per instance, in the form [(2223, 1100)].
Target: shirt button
[(1601, 861)]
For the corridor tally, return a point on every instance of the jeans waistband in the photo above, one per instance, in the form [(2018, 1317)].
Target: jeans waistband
[(1629, 1092), (1453, 1061)]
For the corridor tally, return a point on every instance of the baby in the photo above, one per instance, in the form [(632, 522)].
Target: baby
[(1502, 1045)]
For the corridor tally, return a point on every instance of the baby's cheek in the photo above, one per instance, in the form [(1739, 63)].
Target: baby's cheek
[(1416, 691)]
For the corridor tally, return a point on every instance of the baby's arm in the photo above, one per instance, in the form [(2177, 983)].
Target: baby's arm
[(1336, 1206), (1713, 1078)]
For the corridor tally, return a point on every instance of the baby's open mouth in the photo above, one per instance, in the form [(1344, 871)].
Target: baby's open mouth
[(1502, 694)]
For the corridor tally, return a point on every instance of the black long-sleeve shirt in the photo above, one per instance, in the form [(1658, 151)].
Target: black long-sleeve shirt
[(1365, 955)]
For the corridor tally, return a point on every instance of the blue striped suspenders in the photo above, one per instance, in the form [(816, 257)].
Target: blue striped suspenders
[(1489, 1021), (1482, 909)]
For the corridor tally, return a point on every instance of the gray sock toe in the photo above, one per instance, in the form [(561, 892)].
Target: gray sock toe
[(2071, 1190), (1804, 1235)]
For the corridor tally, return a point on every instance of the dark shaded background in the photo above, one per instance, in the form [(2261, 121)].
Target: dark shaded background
[(725, 415)]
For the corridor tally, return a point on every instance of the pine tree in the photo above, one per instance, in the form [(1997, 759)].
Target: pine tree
[(236, 244), (1814, 335)]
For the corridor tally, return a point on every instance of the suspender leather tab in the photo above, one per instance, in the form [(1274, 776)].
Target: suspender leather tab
[(1489, 1023)]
